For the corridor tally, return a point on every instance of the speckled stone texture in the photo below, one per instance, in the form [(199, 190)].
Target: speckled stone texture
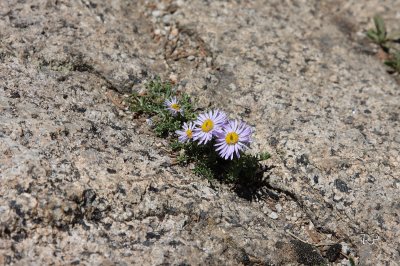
[(84, 182)]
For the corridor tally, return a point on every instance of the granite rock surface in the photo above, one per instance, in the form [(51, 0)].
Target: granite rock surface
[(82, 181)]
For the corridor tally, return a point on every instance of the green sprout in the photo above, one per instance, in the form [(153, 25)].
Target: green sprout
[(379, 34)]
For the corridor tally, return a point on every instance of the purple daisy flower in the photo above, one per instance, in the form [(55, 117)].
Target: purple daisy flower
[(173, 105), (187, 133), (234, 137), (208, 124)]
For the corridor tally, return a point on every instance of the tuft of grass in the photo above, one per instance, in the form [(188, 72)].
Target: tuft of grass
[(207, 163)]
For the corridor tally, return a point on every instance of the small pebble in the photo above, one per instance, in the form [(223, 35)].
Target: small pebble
[(191, 58), (156, 13), (273, 215), (166, 19), (337, 197), (345, 248), (149, 121), (174, 32), (173, 77)]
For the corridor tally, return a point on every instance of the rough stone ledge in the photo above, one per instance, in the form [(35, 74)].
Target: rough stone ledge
[(82, 182)]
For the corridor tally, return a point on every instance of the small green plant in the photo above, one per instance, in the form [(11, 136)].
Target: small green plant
[(379, 34), (351, 261), (152, 103), (394, 61), (210, 141)]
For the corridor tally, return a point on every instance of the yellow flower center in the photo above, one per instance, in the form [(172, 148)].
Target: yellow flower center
[(207, 125), (189, 133), (175, 106), (232, 138)]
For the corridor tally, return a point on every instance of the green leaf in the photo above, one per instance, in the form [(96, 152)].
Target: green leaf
[(264, 156), (351, 261), (390, 63), (380, 26), (373, 35), (204, 171), (394, 63)]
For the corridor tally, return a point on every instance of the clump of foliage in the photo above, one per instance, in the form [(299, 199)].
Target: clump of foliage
[(379, 34), (209, 164), (381, 37), (241, 169), (151, 103)]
